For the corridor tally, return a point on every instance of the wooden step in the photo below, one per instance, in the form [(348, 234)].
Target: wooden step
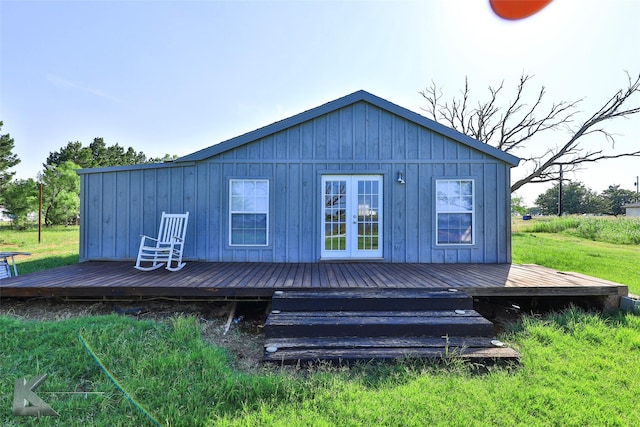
[(349, 325), (350, 349), (377, 324), (340, 355), (379, 342), (371, 299)]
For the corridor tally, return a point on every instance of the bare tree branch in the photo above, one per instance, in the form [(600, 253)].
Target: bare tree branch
[(513, 127), (432, 94)]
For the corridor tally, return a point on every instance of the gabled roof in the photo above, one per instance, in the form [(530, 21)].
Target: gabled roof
[(329, 107)]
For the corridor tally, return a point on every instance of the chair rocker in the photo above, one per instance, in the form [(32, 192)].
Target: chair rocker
[(166, 249)]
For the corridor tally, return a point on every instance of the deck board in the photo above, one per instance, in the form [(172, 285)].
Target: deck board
[(202, 279)]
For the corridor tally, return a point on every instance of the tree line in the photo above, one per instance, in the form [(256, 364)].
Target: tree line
[(578, 199), (58, 179)]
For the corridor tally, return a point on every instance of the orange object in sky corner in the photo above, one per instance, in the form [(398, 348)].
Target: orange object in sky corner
[(517, 9)]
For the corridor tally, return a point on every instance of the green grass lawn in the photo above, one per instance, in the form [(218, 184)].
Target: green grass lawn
[(583, 245), (58, 246), (577, 369), (618, 263)]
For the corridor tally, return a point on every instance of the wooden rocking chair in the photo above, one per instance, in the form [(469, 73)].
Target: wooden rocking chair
[(167, 248)]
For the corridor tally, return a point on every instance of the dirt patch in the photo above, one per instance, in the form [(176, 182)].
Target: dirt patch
[(244, 340)]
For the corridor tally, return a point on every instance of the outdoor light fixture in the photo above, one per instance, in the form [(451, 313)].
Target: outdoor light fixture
[(400, 178)]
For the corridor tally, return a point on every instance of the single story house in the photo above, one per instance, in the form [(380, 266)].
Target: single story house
[(358, 178)]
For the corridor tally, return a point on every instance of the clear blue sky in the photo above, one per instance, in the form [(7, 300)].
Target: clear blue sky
[(177, 76)]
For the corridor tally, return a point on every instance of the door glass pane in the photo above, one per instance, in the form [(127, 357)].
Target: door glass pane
[(335, 215), (367, 215)]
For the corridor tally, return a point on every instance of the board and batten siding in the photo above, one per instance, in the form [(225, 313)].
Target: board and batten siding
[(119, 204)]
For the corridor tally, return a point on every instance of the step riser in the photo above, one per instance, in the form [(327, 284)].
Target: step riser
[(365, 304), (371, 301), (480, 329)]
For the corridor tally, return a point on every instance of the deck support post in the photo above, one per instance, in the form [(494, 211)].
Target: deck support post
[(611, 303), (232, 312)]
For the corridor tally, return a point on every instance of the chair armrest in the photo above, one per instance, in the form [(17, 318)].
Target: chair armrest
[(143, 237)]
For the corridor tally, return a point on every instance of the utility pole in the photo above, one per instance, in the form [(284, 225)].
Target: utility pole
[(637, 184), (40, 213), (560, 194)]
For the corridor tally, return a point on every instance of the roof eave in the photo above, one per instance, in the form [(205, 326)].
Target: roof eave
[(140, 166)]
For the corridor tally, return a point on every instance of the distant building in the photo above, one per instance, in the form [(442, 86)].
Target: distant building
[(632, 209), (4, 215)]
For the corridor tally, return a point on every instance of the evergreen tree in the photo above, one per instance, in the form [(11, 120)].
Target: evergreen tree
[(96, 155), (7, 160)]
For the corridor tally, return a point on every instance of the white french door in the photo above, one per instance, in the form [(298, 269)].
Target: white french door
[(351, 216)]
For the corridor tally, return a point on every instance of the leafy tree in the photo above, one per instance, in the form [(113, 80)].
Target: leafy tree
[(573, 194), (511, 125), (60, 194), (617, 198), (594, 203), (7, 160), (517, 205), (548, 201), (534, 210), (114, 155), (61, 203), (97, 154), (576, 199), (21, 198)]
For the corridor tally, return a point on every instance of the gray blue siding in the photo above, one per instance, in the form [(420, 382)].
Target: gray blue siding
[(119, 204)]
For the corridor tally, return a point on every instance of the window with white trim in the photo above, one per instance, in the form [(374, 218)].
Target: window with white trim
[(248, 212), (455, 212)]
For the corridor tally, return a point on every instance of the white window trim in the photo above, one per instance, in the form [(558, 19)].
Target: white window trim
[(472, 211), (232, 212)]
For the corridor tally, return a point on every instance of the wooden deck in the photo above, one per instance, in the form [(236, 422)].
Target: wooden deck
[(259, 280)]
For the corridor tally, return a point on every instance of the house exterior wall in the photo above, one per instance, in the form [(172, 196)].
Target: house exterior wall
[(119, 204)]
